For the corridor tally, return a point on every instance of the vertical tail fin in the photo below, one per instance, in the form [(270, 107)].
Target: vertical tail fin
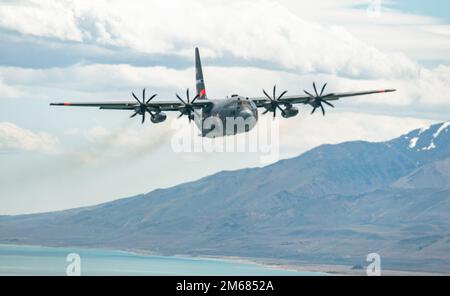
[(199, 82)]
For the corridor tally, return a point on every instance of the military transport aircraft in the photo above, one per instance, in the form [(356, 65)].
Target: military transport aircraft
[(229, 116)]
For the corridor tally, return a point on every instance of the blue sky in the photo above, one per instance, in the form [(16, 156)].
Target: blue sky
[(56, 158), (435, 8)]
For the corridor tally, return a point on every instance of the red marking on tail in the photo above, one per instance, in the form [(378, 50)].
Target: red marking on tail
[(203, 92), (66, 104)]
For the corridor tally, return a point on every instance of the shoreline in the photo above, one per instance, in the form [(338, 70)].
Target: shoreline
[(321, 269), (310, 269), (318, 268)]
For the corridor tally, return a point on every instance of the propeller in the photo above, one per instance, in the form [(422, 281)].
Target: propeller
[(142, 108), (274, 102), (318, 99), (188, 107)]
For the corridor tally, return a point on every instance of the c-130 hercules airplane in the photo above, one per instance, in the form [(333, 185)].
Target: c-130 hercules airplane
[(222, 117)]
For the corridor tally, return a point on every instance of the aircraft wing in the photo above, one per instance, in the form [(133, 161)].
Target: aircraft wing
[(161, 105), (307, 99)]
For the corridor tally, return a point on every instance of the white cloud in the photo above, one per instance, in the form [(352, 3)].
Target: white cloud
[(284, 33), (114, 82), (432, 86), (420, 37), (13, 137), (263, 30), (98, 78), (41, 18)]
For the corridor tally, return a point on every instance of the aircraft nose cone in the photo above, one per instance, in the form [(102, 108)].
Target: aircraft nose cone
[(246, 114)]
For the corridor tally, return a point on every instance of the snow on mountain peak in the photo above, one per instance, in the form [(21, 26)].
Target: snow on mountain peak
[(423, 141), (423, 129), (431, 146), (413, 142), (443, 127)]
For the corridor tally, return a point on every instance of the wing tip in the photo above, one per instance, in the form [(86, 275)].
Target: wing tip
[(60, 104), (387, 90)]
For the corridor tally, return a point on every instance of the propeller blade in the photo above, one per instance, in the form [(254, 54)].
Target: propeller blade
[(151, 98), (143, 108), (188, 109), (267, 95), (329, 104), (136, 97), (195, 98), (308, 94), (180, 99), (323, 88), (274, 105), (318, 99), (281, 109), (282, 94)]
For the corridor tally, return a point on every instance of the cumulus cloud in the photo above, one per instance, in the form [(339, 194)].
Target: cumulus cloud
[(13, 137), (41, 18), (419, 36), (281, 33), (107, 82), (94, 78), (254, 30)]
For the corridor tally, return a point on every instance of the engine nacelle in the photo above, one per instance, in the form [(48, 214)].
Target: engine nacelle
[(290, 112), (159, 117)]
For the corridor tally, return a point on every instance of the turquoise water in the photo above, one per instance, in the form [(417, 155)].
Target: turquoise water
[(33, 260)]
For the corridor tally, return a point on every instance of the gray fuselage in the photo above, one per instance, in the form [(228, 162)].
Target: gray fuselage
[(229, 116)]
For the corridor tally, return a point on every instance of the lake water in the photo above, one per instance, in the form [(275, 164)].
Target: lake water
[(33, 260)]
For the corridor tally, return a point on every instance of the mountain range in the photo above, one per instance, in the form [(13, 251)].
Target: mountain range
[(333, 204)]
